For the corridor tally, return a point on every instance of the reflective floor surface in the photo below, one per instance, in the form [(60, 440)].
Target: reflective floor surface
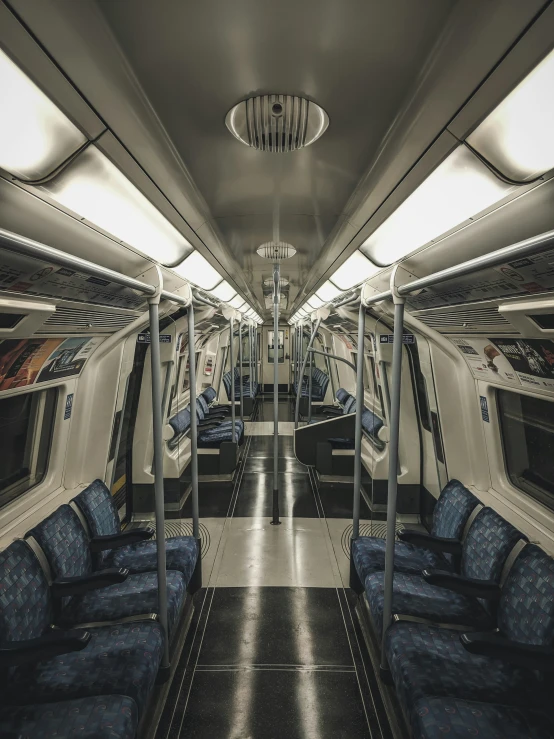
[(274, 649)]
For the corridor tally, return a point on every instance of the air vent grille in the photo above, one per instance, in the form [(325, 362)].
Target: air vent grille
[(472, 319), (77, 320)]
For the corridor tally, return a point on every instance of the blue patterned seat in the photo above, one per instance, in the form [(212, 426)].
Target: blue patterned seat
[(100, 717), (488, 542), (118, 660), (210, 395), (66, 546), (426, 661), (97, 505), (451, 513), (435, 718)]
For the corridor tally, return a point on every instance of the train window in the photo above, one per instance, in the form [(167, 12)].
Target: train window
[(280, 347), (26, 424), (10, 320), (420, 387), (544, 320), (527, 425)]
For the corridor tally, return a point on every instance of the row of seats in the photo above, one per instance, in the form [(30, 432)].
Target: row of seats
[(320, 381), (80, 642), (214, 425), (371, 423), (470, 649), (249, 389)]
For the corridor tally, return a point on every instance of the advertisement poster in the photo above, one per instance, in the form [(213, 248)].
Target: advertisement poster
[(26, 361), (532, 360), (485, 360)]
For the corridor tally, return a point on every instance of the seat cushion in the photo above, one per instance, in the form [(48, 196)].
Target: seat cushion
[(369, 556), (426, 660), (136, 596), (119, 660), (181, 555), (413, 596), (106, 716), (342, 443), (452, 510), (435, 718)]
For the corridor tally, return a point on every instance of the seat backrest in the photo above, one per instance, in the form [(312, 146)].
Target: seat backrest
[(97, 505), (526, 608), (452, 510), (180, 423), (487, 544), (370, 422), (200, 413), (349, 406), (64, 542), (209, 394), (203, 404), (25, 602), (342, 395)]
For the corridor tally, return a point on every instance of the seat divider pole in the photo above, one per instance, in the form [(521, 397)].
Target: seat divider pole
[(194, 452), (276, 295), (232, 362), (310, 387), (301, 378), (159, 503), (240, 372), (250, 358), (358, 424), (394, 425)]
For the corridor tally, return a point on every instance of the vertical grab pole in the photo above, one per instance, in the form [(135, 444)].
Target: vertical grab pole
[(355, 583), (196, 579), (310, 386), (276, 282), (232, 358), (301, 378), (250, 358), (153, 312), (394, 425), (240, 373)]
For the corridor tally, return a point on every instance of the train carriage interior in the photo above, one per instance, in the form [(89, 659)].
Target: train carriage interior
[(276, 369)]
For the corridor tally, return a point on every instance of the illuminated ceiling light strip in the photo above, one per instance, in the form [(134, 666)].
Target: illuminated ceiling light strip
[(199, 271), (224, 292), (97, 191), (314, 302), (354, 271), (517, 137), (237, 302), (458, 189), (327, 292), (35, 136)]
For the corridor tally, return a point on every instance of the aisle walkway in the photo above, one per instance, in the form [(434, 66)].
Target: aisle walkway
[(274, 649)]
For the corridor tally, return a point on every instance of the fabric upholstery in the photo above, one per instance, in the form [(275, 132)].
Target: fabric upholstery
[(65, 543), (25, 605), (413, 596), (435, 718), (452, 510), (488, 543), (526, 608), (342, 395), (429, 661), (101, 717), (97, 505), (137, 595), (210, 395), (369, 556), (118, 660), (349, 406), (180, 423)]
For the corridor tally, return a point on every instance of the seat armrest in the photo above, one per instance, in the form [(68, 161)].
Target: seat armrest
[(123, 539), (43, 648), (488, 589), (215, 416), (63, 587), (427, 541), (333, 412), (492, 644), (206, 426)]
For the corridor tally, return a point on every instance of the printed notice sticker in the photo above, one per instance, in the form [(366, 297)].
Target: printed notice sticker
[(68, 407), (484, 409)]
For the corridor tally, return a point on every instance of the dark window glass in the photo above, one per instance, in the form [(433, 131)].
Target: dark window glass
[(546, 320), (26, 425), (9, 320), (527, 426), (420, 387)]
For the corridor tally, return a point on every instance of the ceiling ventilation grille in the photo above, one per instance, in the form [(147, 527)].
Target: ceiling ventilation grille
[(466, 319), (79, 321)]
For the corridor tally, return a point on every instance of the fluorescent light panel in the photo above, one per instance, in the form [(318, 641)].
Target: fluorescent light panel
[(199, 271), (95, 189), (327, 292), (354, 271), (314, 302), (517, 137), (237, 302), (35, 136), (224, 292), (457, 190)]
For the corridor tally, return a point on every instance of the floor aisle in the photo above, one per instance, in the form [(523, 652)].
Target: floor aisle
[(274, 649)]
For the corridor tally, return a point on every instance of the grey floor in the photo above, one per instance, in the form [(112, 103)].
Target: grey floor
[(274, 649)]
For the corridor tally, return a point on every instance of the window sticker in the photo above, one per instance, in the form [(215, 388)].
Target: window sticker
[(484, 409), (68, 407)]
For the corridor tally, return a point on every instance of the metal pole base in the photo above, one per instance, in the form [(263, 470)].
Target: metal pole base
[(355, 582), (275, 521), (196, 580)]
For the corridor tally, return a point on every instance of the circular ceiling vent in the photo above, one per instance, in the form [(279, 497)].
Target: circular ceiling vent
[(276, 251), (277, 122), (283, 282)]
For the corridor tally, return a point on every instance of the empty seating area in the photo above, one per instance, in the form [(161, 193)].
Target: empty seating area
[(470, 646), (320, 381), (249, 388), (80, 641)]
